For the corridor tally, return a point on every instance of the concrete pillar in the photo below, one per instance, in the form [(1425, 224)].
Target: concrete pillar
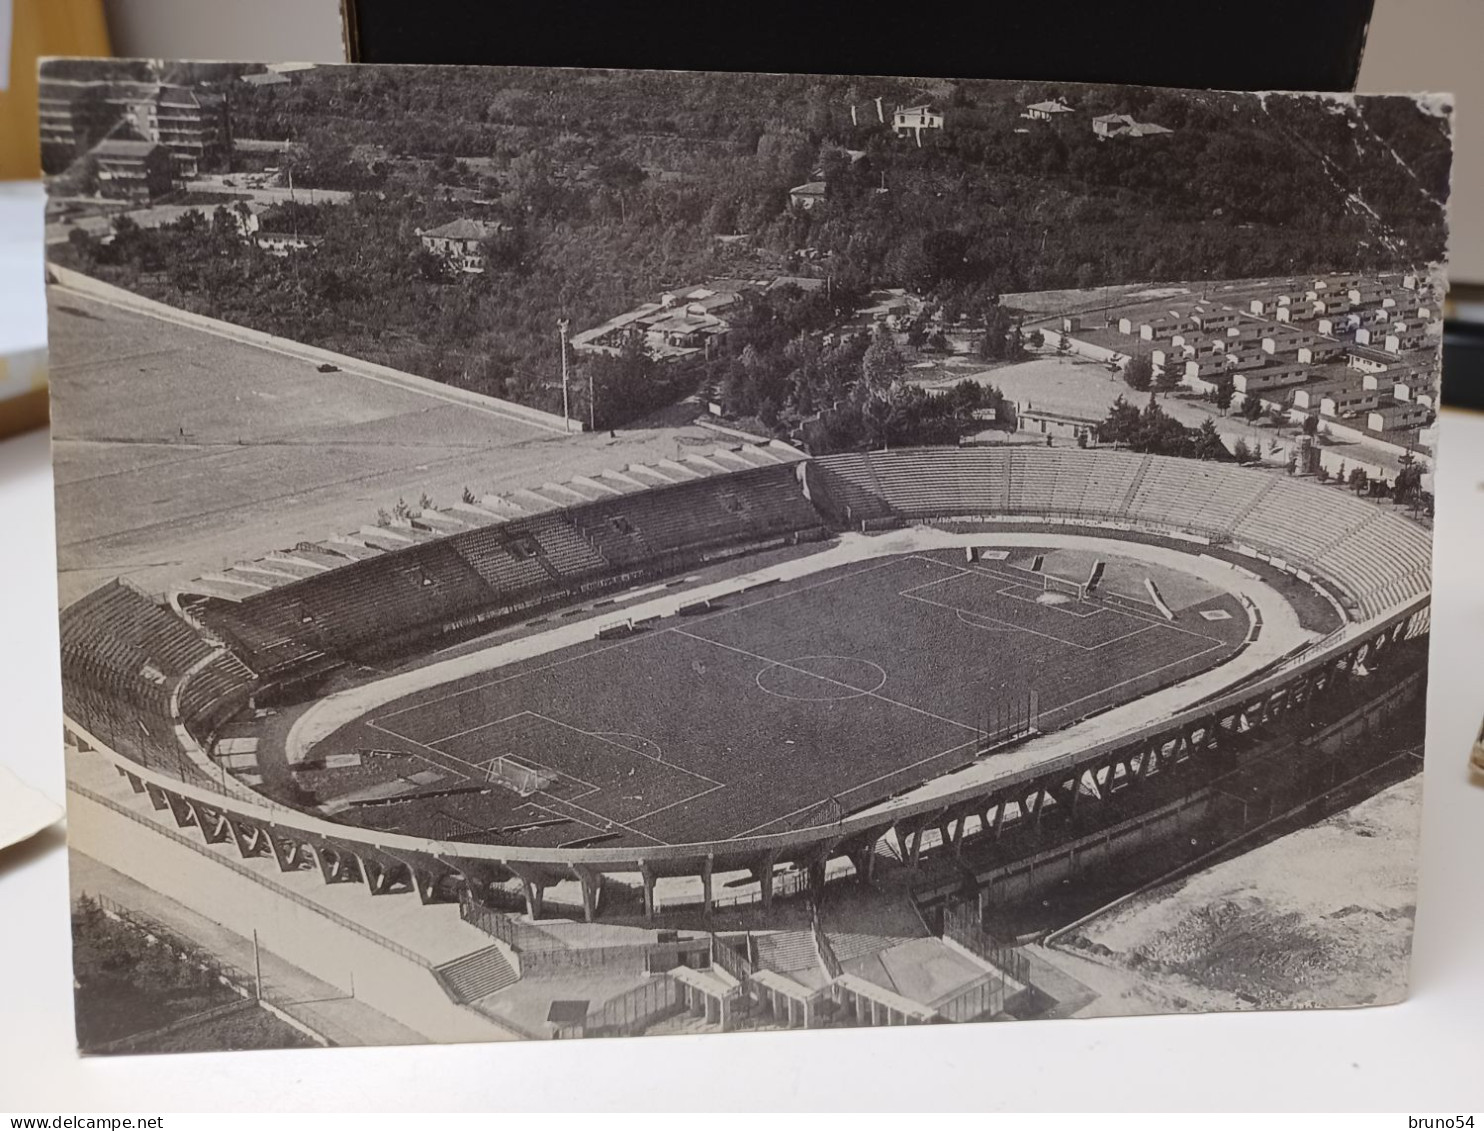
[(425, 883), (286, 852), (764, 874), (534, 892), (374, 875), (816, 877), (706, 866), (591, 883), (212, 825), (247, 838), (647, 878), (180, 809)]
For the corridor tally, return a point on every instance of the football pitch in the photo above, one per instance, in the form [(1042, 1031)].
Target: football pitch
[(798, 702)]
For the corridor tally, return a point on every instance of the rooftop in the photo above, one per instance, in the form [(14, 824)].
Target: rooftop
[(124, 147), (463, 229)]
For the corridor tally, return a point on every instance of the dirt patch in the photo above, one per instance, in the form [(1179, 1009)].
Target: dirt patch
[(1321, 918)]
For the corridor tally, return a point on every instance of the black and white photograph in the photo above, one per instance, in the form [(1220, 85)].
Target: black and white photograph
[(553, 553)]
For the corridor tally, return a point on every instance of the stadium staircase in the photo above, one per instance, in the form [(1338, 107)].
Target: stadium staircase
[(1135, 485), (477, 975), (788, 952), (1257, 500)]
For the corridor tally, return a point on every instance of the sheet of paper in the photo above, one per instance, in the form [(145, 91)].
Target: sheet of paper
[(24, 812)]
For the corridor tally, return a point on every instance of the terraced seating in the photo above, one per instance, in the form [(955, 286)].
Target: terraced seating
[(838, 490), (1033, 482), (569, 553), (731, 508), (122, 658), (505, 558), (613, 535), (1165, 496), (122, 622), (215, 693), (272, 634), (1271, 523), (1107, 481), (1378, 557), (383, 598)]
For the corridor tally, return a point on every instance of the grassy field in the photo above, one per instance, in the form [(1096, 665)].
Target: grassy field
[(790, 703)]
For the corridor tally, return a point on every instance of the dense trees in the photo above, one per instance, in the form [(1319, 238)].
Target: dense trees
[(832, 391), (1138, 374), (612, 186), (1154, 430)]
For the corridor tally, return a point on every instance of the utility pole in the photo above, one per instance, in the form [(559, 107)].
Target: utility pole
[(257, 967), (566, 418)]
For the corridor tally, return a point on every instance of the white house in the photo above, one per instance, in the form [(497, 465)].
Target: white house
[(459, 242), (1047, 111), (914, 119), (1124, 125)]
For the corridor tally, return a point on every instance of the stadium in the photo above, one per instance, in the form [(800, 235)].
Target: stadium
[(698, 693), (803, 707)]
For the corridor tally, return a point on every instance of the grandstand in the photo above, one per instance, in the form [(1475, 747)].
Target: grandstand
[(390, 589), (1375, 557), (138, 671)]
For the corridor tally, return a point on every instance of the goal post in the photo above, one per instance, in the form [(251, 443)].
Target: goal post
[(1050, 583), (512, 772)]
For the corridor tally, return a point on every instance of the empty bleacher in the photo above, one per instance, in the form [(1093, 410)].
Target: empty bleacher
[(746, 506), (506, 559), (418, 584), (563, 546), (274, 635), (123, 656), (1373, 554), (214, 694), (119, 620)]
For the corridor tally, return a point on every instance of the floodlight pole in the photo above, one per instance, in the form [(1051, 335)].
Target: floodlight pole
[(566, 418), (257, 967)]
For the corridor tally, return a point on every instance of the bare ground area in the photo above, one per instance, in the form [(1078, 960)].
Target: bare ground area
[(1321, 918), (180, 451)]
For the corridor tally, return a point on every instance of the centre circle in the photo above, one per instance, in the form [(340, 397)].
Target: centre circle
[(821, 679)]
